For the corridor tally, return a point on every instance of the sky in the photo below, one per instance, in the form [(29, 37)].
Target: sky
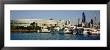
[(65, 15)]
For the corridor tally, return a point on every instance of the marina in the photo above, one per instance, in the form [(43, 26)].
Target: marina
[(57, 34), (65, 30), (83, 27)]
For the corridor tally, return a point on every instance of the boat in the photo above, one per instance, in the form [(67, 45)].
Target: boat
[(68, 31), (86, 31), (95, 31), (57, 28), (45, 31)]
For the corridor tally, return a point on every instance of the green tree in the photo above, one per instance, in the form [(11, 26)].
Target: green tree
[(33, 25)]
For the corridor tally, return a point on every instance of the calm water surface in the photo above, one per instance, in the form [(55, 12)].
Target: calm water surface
[(50, 36)]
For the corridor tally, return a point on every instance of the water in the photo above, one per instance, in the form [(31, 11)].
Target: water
[(50, 36)]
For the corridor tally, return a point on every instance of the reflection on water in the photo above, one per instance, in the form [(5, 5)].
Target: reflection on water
[(50, 36)]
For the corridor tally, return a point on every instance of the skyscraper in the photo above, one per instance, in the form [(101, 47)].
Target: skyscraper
[(83, 17), (95, 20), (78, 21), (83, 20), (91, 21)]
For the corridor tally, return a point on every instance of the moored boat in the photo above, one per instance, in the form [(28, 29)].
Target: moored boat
[(86, 31), (45, 31), (68, 31)]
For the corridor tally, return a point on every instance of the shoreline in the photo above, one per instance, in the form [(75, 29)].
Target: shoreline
[(35, 31), (23, 30), (41, 32)]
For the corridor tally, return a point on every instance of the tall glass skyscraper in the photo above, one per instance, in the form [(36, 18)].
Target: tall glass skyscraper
[(83, 20), (83, 17)]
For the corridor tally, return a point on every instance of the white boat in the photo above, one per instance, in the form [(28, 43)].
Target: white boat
[(98, 31), (66, 30), (57, 28), (45, 30), (79, 27), (95, 32), (86, 31)]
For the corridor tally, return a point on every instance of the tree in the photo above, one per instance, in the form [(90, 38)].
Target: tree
[(33, 25), (29, 28)]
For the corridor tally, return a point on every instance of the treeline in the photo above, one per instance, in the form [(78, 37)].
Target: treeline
[(33, 26)]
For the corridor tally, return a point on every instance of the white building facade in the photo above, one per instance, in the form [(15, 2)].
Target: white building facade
[(39, 22)]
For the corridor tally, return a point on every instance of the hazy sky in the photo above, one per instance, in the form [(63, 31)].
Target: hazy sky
[(73, 15)]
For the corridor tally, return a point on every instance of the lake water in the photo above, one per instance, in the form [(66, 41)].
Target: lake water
[(50, 36)]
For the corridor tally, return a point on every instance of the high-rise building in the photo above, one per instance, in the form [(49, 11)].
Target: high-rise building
[(94, 20), (83, 20), (78, 21), (67, 22), (91, 22), (83, 17)]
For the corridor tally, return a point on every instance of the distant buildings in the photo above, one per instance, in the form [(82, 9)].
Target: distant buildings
[(38, 22), (61, 23), (93, 23)]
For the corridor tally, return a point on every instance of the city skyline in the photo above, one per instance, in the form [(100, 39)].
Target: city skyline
[(72, 15)]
